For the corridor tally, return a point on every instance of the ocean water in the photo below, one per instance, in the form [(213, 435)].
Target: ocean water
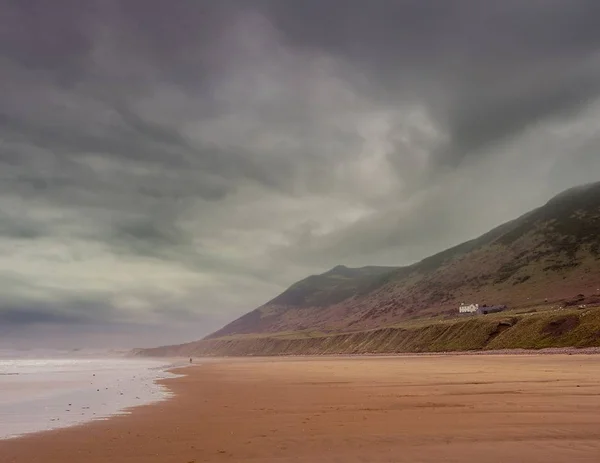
[(47, 391)]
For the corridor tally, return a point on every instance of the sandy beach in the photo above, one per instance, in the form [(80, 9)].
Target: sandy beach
[(528, 408)]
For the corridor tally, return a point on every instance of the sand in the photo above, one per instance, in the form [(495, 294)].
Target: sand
[(395, 409)]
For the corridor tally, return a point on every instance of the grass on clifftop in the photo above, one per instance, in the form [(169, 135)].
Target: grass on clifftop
[(534, 330), (506, 330)]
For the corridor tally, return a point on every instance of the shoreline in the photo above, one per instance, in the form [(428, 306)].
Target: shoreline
[(66, 393), (351, 409), (508, 352), (178, 371)]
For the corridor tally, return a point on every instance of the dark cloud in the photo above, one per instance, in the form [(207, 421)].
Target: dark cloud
[(19, 227), (487, 70), (187, 160), (17, 314), (27, 316), (44, 37)]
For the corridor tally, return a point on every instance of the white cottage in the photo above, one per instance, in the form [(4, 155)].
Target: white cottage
[(470, 308)]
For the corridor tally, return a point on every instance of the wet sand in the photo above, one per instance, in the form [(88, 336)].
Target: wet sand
[(528, 408)]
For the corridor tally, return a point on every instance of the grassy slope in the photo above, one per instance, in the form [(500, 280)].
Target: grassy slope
[(315, 292), (551, 328)]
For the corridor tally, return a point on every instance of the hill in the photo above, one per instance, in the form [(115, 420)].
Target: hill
[(549, 255), (547, 258), (316, 292)]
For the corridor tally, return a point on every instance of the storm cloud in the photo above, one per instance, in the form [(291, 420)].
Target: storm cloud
[(168, 166)]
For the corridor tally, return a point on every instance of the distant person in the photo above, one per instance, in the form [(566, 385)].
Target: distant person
[(190, 360)]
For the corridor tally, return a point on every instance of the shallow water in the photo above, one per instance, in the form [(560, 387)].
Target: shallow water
[(38, 394)]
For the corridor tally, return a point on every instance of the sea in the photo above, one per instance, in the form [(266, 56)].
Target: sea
[(42, 390)]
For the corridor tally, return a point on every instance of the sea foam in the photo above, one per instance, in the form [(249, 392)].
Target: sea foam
[(39, 394)]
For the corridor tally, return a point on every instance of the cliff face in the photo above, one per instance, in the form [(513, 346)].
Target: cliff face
[(561, 328), (549, 254)]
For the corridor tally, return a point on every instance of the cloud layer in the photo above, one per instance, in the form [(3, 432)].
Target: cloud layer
[(167, 166)]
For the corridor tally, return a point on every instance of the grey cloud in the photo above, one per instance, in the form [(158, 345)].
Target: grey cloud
[(44, 37), (26, 316), (494, 117), (158, 232), (20, 227), (187, 160), (69, 310), (488, 70)]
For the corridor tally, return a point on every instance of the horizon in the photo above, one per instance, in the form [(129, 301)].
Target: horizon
[(170, 167)]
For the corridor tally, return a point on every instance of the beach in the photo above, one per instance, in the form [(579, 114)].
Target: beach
[(500, 408), (45, 393)]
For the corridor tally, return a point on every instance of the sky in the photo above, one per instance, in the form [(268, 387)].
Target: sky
[(168, 166)]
